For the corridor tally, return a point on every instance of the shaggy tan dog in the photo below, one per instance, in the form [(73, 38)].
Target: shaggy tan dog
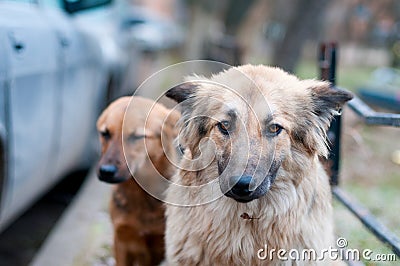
[(131, 137), (263, 188)]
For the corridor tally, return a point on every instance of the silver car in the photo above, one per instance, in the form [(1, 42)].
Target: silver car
[(56, 73)]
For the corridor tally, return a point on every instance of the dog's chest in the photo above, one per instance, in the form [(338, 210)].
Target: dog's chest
[(221, 237), (148, 213), (229, 240)]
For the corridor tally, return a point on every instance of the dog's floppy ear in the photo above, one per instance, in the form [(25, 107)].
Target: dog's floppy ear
[(185, 94), (182, 92)]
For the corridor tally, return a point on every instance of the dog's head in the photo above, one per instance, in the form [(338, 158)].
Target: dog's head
[(130, 131), (254, 120)]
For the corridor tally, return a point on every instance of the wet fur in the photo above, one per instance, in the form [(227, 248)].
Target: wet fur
[(137, 217), (295, 211)]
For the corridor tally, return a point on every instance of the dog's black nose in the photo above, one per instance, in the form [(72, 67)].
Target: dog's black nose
[(107, 171), (241, 188)]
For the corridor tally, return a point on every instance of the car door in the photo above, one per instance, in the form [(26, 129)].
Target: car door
[(80, 92), (31, 47), (3, 107)]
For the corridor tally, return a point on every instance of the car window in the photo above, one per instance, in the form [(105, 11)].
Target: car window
[(50, 3)]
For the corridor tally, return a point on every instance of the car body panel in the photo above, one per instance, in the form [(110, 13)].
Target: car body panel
[(3, 121), (53, 78), (31, 103), (79, 63), (118, 54)]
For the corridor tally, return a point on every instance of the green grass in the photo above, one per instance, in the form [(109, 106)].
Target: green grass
[(347, 77), (358, 237), (370, 176)]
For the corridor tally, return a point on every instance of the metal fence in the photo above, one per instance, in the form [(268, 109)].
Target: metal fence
[(327, 66)]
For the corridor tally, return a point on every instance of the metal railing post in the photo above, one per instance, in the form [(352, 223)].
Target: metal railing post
[(327, 65)]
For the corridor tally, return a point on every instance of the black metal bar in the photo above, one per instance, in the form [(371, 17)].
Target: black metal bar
[(332, 65), (336, 125), (371, 117), (377, 228), (323, 63), (327, 64)]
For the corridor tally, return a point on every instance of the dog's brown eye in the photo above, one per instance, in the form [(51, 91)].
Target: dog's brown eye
[(224, 127), (274, 129), (105, 134)]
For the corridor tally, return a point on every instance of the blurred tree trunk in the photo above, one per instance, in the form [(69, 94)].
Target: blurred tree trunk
[(249, 33), (304, 22), (200, 21), (205, 21)]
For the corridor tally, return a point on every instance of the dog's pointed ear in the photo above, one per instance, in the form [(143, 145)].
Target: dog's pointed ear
[(326, 97), (182, 91), (316, 115), (327, 100)]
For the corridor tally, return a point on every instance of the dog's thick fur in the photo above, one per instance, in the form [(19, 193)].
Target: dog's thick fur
[(137, 217), (291, 207)]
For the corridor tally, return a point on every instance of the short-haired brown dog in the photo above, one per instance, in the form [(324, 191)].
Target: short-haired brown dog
[(131, 145)]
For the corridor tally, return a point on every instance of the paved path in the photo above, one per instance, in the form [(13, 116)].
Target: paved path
[(83, 235)]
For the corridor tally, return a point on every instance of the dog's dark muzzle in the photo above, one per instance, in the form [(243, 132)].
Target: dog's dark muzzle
[(108, 173), (241, 190)]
